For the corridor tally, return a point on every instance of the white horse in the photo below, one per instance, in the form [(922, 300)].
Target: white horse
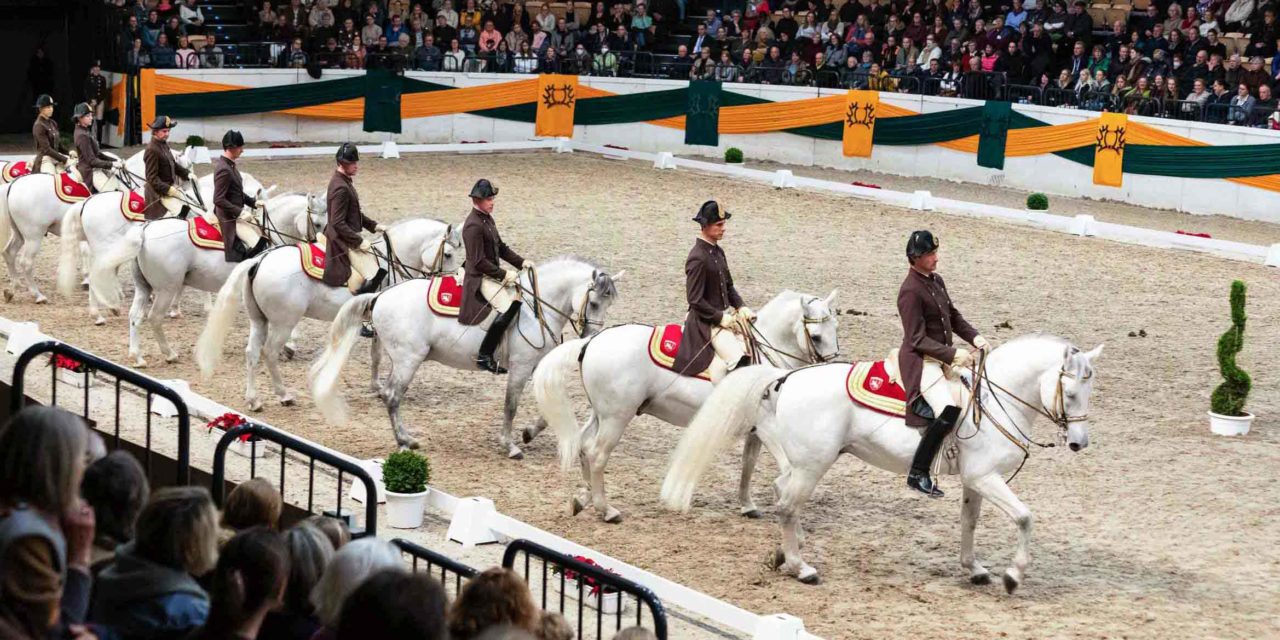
[(570, 290), (277, 295), (621, 382), (29, 209), (809, 420), (99, 224), (165, 261)]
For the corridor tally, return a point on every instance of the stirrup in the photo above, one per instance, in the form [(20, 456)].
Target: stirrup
[(924, 484), (490, 364), (367, 330)]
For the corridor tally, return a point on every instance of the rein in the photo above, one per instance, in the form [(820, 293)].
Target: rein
[(814, 356), (579, 321)]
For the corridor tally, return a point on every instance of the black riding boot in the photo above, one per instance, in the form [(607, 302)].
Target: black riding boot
[(184, 212), (934, 434), (373, 283), (262, 245), (485, 359)]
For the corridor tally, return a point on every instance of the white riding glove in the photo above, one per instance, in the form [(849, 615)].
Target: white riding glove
[(746, 313), (364, 244), (981, 343), (963, 358), (728, 318), (118, 165), (509, 277), (529, 265), (260, 204), (173, 192), (379, 228)]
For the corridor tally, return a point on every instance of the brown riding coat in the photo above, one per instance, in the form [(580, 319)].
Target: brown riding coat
[(45, 132), (229, 200), (709, 289), (90, 155), (343, 233), (929, 320), (484, 248), (161, 169)]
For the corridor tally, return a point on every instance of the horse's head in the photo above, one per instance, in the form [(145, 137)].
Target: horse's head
[(317, 213), (589, 310), (1065, 393), (451, 250), (817, 330)]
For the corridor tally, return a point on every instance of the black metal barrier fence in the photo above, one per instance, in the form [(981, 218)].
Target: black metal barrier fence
[(451, 573)]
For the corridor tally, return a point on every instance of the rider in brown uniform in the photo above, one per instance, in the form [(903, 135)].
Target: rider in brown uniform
[(161, 194), (239, 242), (45, 133), (346, 251), (485, 284), (929, 320), (715, 307), (91, 156)]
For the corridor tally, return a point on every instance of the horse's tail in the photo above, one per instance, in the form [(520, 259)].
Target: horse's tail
[(72, 236), (6, 222), (549, 389), (214, 335), (328, 367), (101, 279), (731, 411)]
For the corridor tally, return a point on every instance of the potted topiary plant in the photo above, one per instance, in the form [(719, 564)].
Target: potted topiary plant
[(1038, 202), (1227, 416), (196, 150), (405, 475), (733, 155)]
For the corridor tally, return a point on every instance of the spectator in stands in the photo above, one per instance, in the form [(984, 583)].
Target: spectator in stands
[(641, 27), (489, 38), (320, 9), (330, 56), (137, 57), (332, 528), (703, 66), (726, 70), (394, 30), (174, 29), (371, 31), (266, 20), (163, 55), (504, 61), (323, 31), (563, 38), (283, 31), (1240, 110), (247, 583), (151, 29), (46, 529), (309, 552), (1265, 106), (1262, 38), (254, 503), (347, 33), (428, 57), (295, 15), (395, 604), (294, 57), (354, 54), (516, 38), (1218, 106), (620, 39), (116, 487), (455, 57), (1255, 76), (185, 57), (549, 61), (468, 38), (150, 589), (211, 55), (350, 566), (496, 597), (191, 17), (605, 63)]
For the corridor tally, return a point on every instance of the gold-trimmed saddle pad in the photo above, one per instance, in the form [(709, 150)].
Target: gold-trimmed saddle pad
[(312, 257), (664, 343), (869, 385), (203, 234), (444, 296)]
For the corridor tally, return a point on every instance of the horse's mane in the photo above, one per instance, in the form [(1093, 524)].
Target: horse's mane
[(1043, 337), (569, 257)]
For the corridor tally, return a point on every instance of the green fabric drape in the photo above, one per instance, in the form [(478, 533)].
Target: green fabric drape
[(928, 128), (382, 101), (260, 100), (702, 120), (993, 133), (631, 107), (1226, 161)]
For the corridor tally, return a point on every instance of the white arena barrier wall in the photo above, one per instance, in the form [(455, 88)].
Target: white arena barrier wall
[(1047, 173)]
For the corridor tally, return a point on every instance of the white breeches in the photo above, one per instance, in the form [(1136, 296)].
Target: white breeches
[(499, 297)]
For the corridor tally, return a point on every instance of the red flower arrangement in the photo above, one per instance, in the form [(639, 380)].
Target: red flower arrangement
[(227, 422), (593, 584), (70, 364), (865, 184)]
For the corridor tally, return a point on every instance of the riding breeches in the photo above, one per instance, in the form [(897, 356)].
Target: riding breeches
[(498, 296), (729, 348), (364, 265), (51, 166), (172, 205), (936, 387)]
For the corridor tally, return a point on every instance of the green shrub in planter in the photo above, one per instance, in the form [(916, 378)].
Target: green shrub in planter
[(733, 155), (406, 472), (1228, 399), (1038, 202), (195, 141)]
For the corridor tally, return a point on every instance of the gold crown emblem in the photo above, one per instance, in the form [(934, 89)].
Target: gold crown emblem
[(860, 114), (1109, 140), (557, 96)]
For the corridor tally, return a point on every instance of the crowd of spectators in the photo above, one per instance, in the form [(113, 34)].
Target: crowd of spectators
[(1169, 59), (88, 551)]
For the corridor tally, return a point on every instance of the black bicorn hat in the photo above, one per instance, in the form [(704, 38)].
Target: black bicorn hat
[(44, 100), (232, 139), (348, 153), (920, 243), (483, 189), (711, 213), (164, 122), (81, 110)]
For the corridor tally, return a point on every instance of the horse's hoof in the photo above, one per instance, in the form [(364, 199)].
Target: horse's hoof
[(1010, 583), (514, 453), (752, 513), (777, 559), (171, 358), (40, 299), (8, 295), (140, 363), (84, 286), (612, 516), (575, 506), (287, 352), (175, 314), (809, 575), (408, 443), (980, 578), (99, 321), (288, 401), (255, 405), (526, 436)]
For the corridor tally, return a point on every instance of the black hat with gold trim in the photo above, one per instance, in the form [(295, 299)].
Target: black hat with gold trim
[(711, 213), (163, 122), (921, 243)]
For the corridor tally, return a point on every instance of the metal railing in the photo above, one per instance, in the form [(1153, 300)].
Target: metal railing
[(437, 565), (258, 432), (95, 368), (563, 578)]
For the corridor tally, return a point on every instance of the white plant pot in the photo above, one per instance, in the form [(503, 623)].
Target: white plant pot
[(404, 510), (1230, 425), (73, 379), (247, 449), (610, 603)]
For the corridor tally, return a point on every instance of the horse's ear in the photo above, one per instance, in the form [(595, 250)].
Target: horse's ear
[(1093, 355), (618, 276), (831, 297)]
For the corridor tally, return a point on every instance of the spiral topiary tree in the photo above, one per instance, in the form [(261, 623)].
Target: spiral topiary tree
[(1229, 398)]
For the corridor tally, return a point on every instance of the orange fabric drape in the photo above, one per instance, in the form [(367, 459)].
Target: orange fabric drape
[(147, 93), (449, 101), (776, 116), (166, 85), (117, 100), (1146, 134)]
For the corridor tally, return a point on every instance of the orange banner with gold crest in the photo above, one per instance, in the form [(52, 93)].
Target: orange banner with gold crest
[(557, 95)]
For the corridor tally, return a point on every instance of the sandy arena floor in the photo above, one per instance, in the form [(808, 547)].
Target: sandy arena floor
[(1157, 530)]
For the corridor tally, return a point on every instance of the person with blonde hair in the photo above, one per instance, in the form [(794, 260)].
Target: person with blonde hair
[(255, 503), (496, 597), (46, 530), (350, 566), (151, 589)]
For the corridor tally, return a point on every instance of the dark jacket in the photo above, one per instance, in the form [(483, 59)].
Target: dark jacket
[(91, 156), (708, 286), (45, 132), (161, 169), (95, 88), (929, 320), (141, 600), (229, 200), (343, 233), (484, 248)]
